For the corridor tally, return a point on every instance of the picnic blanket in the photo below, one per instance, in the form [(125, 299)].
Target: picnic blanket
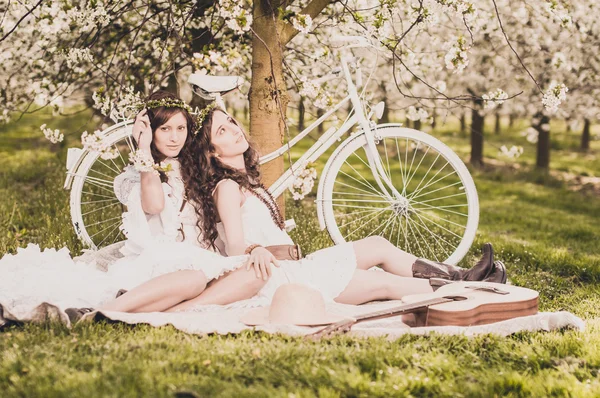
[(224, 320)]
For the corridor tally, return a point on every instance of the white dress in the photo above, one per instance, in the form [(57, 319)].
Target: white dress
[(155, 245), (328, 270)]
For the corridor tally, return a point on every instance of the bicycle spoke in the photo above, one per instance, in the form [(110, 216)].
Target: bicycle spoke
[(100, 201), (356, 194), (427, 184), (412, 162), (356, 200), (355, 207), (441, 208), (443, 197), (108, 234), (358, 189), (99, 195), (99, 208), (401, 169), (102, 230), (365, 185), (434, 236), (108, 219), (426, 242), (438, 189), (375, 215), (435, 182), (361, 218), (448, 221), (440, 226), (427, 173), (419, 165), (360, 175)]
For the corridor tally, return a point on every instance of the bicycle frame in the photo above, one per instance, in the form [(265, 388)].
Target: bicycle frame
[(329, 138)]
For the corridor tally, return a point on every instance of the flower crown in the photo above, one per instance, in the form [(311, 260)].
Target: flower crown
[(198, 114)]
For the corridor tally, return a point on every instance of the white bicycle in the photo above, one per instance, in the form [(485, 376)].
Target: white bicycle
[(383, 179)]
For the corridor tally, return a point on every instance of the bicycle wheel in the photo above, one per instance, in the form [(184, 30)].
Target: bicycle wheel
[(95, 210), (439, 216)]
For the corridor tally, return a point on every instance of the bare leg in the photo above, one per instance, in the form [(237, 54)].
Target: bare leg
[(367, 286), (160, 293), (376, 250), (237, 285)]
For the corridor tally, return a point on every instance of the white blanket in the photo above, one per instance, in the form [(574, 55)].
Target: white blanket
[(220, 320)]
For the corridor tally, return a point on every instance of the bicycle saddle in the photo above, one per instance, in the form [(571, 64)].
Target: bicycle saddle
[(208, 86)]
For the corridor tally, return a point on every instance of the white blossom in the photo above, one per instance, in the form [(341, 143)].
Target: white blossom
[(531, 135), (303, 183), (513, 153), (302, 22), (457, 57), (554, 96), (142, 162), (54, 136), (494, 98), (417, 114)]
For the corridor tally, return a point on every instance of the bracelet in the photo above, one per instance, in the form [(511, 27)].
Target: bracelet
[(250, 248)]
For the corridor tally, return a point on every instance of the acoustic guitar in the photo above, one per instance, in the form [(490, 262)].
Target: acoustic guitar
[(457, 304)]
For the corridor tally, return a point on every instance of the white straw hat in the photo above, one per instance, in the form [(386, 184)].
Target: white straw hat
[(293, 304)]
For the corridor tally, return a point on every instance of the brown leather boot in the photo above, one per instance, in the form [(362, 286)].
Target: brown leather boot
[(498, 275), (427, 269)]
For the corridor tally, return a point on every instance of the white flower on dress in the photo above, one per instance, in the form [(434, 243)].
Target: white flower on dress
[(142, 162)]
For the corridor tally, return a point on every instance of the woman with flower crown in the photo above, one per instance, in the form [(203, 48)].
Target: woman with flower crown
[(164, 260), (222, 179)]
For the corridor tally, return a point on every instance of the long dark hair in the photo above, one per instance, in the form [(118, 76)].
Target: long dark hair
[(161, 115), (201, 172)]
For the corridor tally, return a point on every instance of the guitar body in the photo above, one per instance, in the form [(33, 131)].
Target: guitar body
[(475, 303)]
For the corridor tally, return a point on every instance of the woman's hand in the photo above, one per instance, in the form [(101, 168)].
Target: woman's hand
[(261, 258), (142, 131)]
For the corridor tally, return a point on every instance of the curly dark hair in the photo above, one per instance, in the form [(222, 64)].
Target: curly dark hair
[(201, 172)]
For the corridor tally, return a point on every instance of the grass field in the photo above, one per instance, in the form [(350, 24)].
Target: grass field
[(545, 227)]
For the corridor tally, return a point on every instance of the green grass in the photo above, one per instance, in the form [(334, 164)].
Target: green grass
[(544, 228)]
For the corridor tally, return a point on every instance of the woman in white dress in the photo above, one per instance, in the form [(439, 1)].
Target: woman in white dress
[(163, 260), (220, 172)]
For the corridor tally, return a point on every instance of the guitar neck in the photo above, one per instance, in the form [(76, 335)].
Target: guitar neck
[(402, 309)]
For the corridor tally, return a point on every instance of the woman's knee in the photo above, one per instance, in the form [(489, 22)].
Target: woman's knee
[(193, 283)]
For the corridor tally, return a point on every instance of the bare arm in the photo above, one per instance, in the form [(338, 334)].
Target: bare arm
[(228, 199), (152, 195), (229, 205)]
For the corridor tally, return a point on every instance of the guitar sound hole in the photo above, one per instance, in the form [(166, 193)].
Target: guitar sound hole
[(456, 298)]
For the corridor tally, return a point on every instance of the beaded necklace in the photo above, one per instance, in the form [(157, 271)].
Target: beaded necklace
[(268, 200)]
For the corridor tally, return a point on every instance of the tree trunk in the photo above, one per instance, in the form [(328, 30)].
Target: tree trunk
[(417, 125), (542, 160), (463, 124), (433, 120), (320, 127), (385, 116), (511, 120), (408, 123), (477, 135), (585, 136), (568, 123), (268, 96), (301, 114), (497, 124)]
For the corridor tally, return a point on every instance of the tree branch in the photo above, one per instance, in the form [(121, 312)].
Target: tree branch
[(313, 9)]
